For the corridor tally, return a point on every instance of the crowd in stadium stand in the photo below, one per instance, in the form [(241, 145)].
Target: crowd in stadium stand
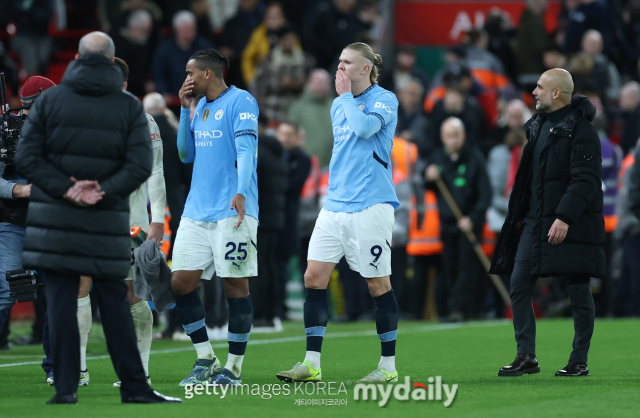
[(286, 52)]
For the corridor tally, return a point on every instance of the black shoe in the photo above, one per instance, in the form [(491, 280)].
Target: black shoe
[(523, 364), (71, 399), (574, 369), (5, 346), (152, 397)]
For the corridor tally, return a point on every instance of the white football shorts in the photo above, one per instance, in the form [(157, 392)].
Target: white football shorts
[(363, 238), (217, 247)]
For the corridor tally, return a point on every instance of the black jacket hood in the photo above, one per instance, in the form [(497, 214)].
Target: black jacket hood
[(93, 75)]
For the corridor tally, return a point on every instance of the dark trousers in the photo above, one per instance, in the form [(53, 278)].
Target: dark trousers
[(214, 299), (413, 299), (628, 299), (602, 294), (264, 287), (460, 275), (355, 290), (524, 321), (62, 306), (398, 270)]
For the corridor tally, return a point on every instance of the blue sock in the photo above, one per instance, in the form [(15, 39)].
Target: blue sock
[(387, 322), (316, 316), (191, 313), (240, 320)]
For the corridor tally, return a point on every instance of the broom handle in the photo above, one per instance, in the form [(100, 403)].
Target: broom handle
[(497, 282)]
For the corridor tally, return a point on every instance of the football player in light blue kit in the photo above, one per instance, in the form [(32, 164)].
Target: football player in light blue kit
[(217, 232), (357, 220)]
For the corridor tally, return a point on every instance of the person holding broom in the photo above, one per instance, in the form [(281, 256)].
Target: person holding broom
[(462, 169)]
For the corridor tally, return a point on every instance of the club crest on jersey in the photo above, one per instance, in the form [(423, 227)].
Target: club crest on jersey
[(205, 115), (361, 107), (219, 114)]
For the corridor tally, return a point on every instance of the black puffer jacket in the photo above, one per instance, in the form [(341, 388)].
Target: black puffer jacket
[(273, 172), (88, 128), (569, 189)]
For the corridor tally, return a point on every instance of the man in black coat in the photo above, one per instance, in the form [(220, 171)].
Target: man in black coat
[(299, 164), (272, 171), (555, 227), (462, 169), (87, 128)]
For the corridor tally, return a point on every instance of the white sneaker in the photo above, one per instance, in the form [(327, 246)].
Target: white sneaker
[(180, 336), (278, 324), (119, 383), (84, 378), (216, 334)]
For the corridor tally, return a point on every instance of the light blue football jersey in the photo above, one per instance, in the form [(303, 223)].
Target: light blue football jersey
[(215, 126), (360, 168)]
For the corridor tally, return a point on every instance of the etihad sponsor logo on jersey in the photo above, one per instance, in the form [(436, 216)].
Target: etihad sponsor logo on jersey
[(340, 133), (379, 105), (206, 134), (250, 116)]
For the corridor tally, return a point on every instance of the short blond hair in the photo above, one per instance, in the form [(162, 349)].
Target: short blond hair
[(366, 51)]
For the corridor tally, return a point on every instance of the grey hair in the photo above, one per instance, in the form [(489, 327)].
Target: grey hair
[(98, 43), (153, 103), (139, 18), (183, 16)]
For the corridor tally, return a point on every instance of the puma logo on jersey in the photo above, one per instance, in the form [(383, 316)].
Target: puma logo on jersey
[(236, 264), (371, 264)]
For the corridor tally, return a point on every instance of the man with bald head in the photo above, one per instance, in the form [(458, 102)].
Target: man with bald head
[(85, 148), (554, 227), (462, 168)]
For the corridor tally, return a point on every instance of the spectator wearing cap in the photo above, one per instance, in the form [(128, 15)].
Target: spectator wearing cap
[(171, 54), (280, 77), (263, 39), (14, 200)]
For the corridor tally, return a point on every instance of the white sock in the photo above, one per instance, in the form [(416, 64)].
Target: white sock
[(204, 350), (143, 322), (313, 357), (84, 325), (234, 364), (388, 363)]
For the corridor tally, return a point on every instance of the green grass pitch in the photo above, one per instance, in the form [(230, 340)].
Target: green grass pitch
[(468, 355)]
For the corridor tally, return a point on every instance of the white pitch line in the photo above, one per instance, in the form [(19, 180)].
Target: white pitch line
[(424, 328)]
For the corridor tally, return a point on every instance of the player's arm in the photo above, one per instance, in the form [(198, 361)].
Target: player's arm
[(246, 138), (363, 125), (186, 142), (157, 192)]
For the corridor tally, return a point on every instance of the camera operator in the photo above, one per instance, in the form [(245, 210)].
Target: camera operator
[(14, 200)]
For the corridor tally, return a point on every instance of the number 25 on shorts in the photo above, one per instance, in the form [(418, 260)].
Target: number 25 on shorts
[(241, 250)]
